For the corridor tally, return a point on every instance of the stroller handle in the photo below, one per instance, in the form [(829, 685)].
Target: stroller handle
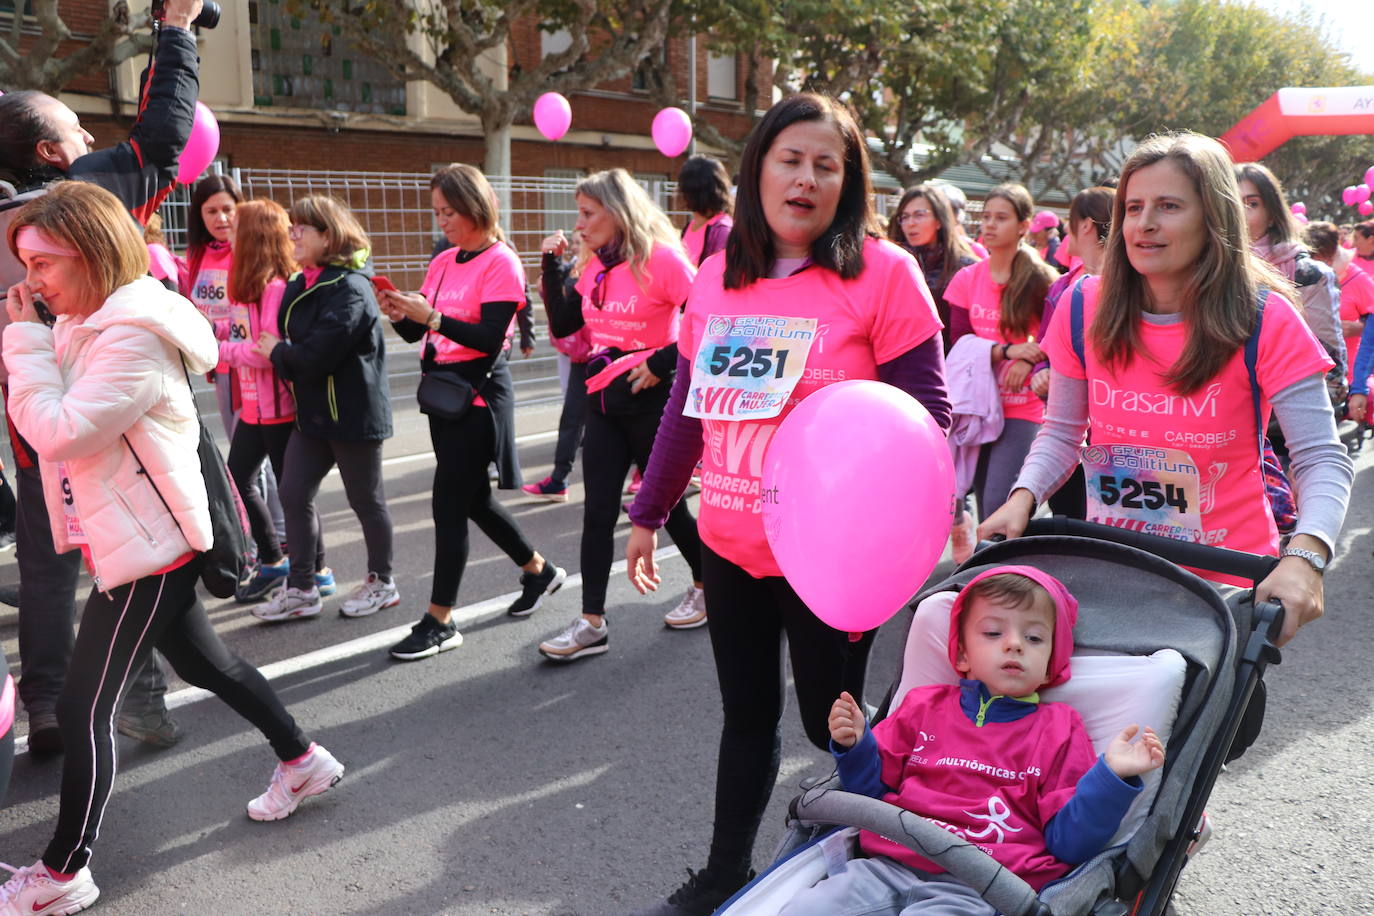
[(1183, 553), (827, 804)]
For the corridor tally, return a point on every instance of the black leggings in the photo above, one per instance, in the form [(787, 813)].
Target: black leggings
[(609, 446), (462, 491), (748, 619), (118, 631), (252, 443)]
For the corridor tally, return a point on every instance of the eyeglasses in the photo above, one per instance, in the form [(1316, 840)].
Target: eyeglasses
[(912, 216), (599, 289), (299, 230)]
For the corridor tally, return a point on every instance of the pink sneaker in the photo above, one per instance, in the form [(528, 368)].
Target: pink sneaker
[(547, 489), (636, 482)]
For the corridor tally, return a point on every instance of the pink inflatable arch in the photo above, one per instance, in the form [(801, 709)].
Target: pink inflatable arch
[(1292, 113)]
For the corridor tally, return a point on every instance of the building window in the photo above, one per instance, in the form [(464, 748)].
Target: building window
[(295, 65), (721, 81)]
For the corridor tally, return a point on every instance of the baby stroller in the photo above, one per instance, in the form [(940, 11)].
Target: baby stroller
[(1155, 644)]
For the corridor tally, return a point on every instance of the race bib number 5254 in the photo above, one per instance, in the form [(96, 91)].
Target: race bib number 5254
[(747, 366)]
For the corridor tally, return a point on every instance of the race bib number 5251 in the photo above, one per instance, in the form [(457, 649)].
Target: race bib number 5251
[(747, 366)]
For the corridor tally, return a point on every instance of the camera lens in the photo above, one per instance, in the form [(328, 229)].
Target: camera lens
[(209, 15)]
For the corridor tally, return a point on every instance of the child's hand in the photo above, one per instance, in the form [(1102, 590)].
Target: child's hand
[(847, 722), (1126, 759)]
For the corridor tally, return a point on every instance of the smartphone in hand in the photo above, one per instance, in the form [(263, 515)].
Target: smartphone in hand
[(382, 283), (45, 315)]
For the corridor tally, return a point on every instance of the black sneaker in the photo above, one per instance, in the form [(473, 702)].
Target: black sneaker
[(156, 728), (533, 588), (428, 637), (702, 895), (44, 736)]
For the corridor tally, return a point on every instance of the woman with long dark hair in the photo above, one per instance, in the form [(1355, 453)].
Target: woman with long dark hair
[(925, 225), (463, 313), (805, 249), (705, 188), (1190, 337)]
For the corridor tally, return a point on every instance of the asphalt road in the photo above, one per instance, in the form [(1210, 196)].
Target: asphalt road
[(489, 781)]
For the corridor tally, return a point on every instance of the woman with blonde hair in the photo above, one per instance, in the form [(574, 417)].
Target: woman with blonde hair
[(103, 397), (463, 314), (328, 345), (1161, 379), (632, 295), (266, 409)]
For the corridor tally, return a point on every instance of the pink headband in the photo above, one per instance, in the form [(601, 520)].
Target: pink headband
[(35, 239)]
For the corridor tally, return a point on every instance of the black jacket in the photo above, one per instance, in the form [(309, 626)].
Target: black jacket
[(333, 356)]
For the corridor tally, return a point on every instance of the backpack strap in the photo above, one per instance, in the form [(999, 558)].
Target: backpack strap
[(1251, 358), (1076, 321)]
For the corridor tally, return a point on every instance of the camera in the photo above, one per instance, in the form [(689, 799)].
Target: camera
[(208, 18)]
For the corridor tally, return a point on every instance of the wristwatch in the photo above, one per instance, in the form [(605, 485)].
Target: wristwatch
[(1318, 563), (435, 316)]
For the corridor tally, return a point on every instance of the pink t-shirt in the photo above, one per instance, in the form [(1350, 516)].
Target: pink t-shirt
[(694, 238), (631, 315), (1357, 300), (872, 319), (995, 786), (1210, 435), (210, 286), (974, 289), (458, 290)]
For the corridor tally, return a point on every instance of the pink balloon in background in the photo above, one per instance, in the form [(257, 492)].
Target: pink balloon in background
[(1361, 193), (1369, 176), (672, 131), (1366, 207), (552, 115), (858, 501), (1301, 218), (1299, 208), (1348, 195), (200, 148)]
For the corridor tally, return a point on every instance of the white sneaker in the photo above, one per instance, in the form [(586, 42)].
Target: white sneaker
[(33, 891), (579, 639), (370, 597), (690, 613), (291, 785), (287, 603)]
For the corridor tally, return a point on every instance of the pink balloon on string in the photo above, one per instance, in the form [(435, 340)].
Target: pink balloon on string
[(1361, 193), (200, 148), (1366, 207), (1348, 195), (672, 131), (1299, 209), (552, 115), (1369, 176)]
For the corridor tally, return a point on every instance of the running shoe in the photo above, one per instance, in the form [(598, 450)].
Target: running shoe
[(44, 736), (372, 596), (703, 893), (292, 784), (547, 489), (428, 637), (324, 581), (636, 482), (35, 892), (157, 728), (265, 578), (287, 603), (534, 587), (578, 639), (690, 613)]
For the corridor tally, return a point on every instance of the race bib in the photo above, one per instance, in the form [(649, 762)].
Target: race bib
[(747, 366), (75, 533), (1154, 490), (211, 293), (240, 331)]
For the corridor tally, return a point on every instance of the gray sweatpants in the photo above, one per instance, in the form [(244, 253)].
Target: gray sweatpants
[(999, 464), (883, 887)]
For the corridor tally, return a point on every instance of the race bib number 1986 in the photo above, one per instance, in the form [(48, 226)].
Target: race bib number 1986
[(747, 366)]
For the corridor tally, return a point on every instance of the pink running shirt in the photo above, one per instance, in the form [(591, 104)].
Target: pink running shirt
[(1357, 300), (694, 240), (1213, 429), (458, 291), (872, 319), (632, 316), (973, 289)]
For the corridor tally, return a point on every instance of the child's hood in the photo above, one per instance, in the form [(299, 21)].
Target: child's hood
[(1065, 616)]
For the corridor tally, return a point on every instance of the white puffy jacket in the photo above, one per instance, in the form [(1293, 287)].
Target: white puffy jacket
[(77, 389)]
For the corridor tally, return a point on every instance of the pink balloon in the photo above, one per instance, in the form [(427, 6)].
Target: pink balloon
[(200, 148), (860, 499), (1369, 176), (1361, 193), (1348, 195), (1299, 208), (1301, 218), (552, 115), (672, 131), (1366, 207)]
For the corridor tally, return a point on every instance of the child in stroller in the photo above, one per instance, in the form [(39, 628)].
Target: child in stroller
[(990, 744)]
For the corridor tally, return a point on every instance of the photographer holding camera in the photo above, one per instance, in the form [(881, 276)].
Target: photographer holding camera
[(42, 142)]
